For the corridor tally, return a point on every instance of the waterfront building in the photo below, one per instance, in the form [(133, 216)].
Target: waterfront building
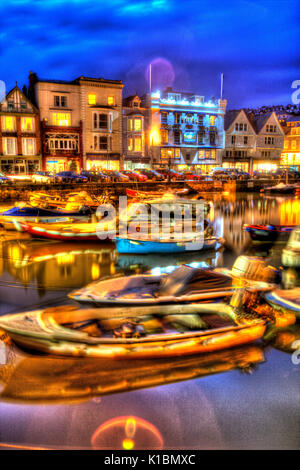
[(240, 140), (81, 122), (252, 142), (135, 133), (290, 155), (20, 145), (186, 131)]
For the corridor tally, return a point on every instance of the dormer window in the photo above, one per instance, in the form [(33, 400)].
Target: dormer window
[(136, 104)]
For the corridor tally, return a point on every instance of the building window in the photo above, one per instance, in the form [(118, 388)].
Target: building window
[(212, 138), (245, 140), (212, 120), (236, 126), (164, 118), (130, 124), (201, 136), (130, 144), (269, 140), (177, 153), (164, 136), (177, 118), (9, 146), (61, 119), (241, 127), (286, 144), (111, 100), (270, 128), (28, 146), (8, 123), (137, 144), (177, 138), (136, 104), (201, 154), (27, 123), (103, 143), (60, 101), (10, 104), (92, 99), (294, 144), (100, 121), (137, 124), (233, 139)]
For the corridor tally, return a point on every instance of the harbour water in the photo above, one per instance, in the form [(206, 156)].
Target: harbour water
[(243, 398)]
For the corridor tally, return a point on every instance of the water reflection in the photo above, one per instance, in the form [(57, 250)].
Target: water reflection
[(45, 379)]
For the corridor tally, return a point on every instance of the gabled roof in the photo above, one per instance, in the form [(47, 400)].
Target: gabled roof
[(230, 117), (16, 88), (260, 120)]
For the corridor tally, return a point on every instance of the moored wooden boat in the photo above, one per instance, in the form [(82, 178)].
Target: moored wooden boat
[(181, 245), (66, 231), (268, 233), (285, 300), (184, 284), (93, 333)]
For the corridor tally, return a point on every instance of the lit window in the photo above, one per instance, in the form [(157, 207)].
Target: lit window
[(137, 144), (294, 145), (27, 124), (9, 146), (111, 101), (137, 124), (212, 120), (61, 119), (8, 123), (130, 124), (28, 147), (286, 144), (92, 99), (130, 146)]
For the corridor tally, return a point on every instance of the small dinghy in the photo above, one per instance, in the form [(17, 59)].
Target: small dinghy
[(269, 233), (184, 284), (285, 300), (280, 188), (181, 245), (100, 333), (26, 213), (75, 232)]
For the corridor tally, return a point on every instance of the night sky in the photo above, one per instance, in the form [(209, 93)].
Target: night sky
[(189, 42)]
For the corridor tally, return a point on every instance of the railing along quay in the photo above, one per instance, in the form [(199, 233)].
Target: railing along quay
[(20, 190)]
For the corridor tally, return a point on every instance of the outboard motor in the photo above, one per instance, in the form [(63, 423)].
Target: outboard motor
[(256, 269)]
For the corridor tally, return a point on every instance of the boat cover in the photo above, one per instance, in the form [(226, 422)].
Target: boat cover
[(186, 279)]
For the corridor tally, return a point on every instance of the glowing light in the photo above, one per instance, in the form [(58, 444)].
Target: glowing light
[(154, 137), (92, 99), (61, 119), (126, 432), (128, 444), (111, 101), (95, 271)]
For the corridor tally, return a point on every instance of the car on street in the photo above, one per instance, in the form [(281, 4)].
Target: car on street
[(70, 177), (191, 176), (171, 174), (4, 179), (43, 177), (94, 176), (135, 176), (152, 175)]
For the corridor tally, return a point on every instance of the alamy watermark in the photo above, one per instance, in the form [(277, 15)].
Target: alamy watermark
[(181, 220), (296, 354), (296, 93), (2, 354)]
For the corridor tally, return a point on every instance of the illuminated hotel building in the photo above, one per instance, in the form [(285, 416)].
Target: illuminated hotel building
[(135, 132), (290, 155), (81, 122), (185, 130), (252, 142), (20, 146)]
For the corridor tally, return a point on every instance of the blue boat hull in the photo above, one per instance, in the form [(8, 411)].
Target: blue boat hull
[(29, 211), (143, 247)]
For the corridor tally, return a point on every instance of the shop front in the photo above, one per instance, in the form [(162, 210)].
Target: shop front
[(241, 165), (56, 164), (20, 165), (103, 162), (265, 165), (291, 160)]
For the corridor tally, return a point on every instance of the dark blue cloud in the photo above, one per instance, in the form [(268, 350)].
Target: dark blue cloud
[(254, 43)]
